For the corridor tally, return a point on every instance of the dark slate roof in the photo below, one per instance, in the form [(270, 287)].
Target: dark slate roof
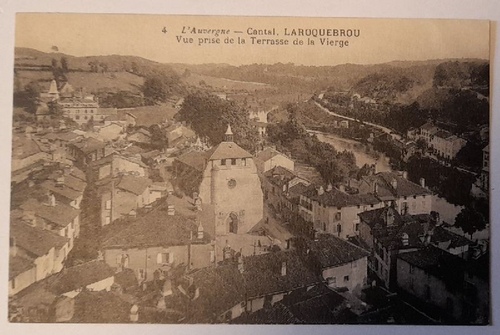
[(437, 263), (77, 277), (133, 184), (126, 278), (277, 314), (321, 309), (36, 241), (442, 235), (100, 307), (221, 289), (392, 237), (280, 175), (62, 190), (226, 150), (428, 126), (336, 198), (378, 217), (154, 228), (331, 251), (404, 186), (18, 265), (263, 273), (195, 159)]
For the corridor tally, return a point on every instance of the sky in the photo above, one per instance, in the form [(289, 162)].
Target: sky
[(379, 41)]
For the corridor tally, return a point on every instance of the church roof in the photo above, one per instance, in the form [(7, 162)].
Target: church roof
[(227, 150)]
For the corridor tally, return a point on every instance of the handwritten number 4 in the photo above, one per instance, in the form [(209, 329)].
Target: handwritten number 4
[(164, 30)]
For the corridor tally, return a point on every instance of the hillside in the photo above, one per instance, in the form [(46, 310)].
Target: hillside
[(96, 74)]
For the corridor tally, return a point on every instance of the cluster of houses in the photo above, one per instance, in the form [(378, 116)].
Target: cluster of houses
[(441, 143), (409, 248), (193, 234)]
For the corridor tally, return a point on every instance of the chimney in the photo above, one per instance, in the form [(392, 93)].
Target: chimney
[(321, 190), (375, 188), (52, 200), (200, 232), (283, 269), (171, 210), (329, 187), (342, 188), (405, 174), (134, 313), (29, 218), (374, 168), (167, 288), (389, 217), (60, 181), (405, 239), (394, 183), (13, 247), (241, 266), (422, 182), (316, 235)]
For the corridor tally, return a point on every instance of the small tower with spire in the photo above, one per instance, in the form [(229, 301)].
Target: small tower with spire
[(229, 134)]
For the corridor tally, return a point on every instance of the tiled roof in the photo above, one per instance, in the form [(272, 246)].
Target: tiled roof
[(277, 314), (23, 147), (221, 289), (35, 240), (263, 273), (386, 191), (195, 159), (156, 228), (331, 251), (61, 214), (77, 277), (267, 154), (18, 265), (280, 175), (63, 190), (100, 307), (107, 111), (133, 184), (79, 174), (226, 150), (89, 145), (336, 198)]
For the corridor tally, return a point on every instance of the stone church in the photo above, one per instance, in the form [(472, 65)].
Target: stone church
[(226, 178)]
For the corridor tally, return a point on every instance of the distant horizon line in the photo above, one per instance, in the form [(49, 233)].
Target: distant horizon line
[(246, 64)]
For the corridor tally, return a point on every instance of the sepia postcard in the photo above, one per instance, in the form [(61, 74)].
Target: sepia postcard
[(172, 169)]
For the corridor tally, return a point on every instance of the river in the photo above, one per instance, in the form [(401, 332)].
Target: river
[(365, 155)]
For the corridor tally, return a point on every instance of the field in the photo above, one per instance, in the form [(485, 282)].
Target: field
[(149, 115), (223, 84)]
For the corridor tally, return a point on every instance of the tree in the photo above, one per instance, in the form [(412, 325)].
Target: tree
[(155, 90), (94, 66), (208, 116), (158, 137), (470, 221), (32, 93), (64, 65)]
